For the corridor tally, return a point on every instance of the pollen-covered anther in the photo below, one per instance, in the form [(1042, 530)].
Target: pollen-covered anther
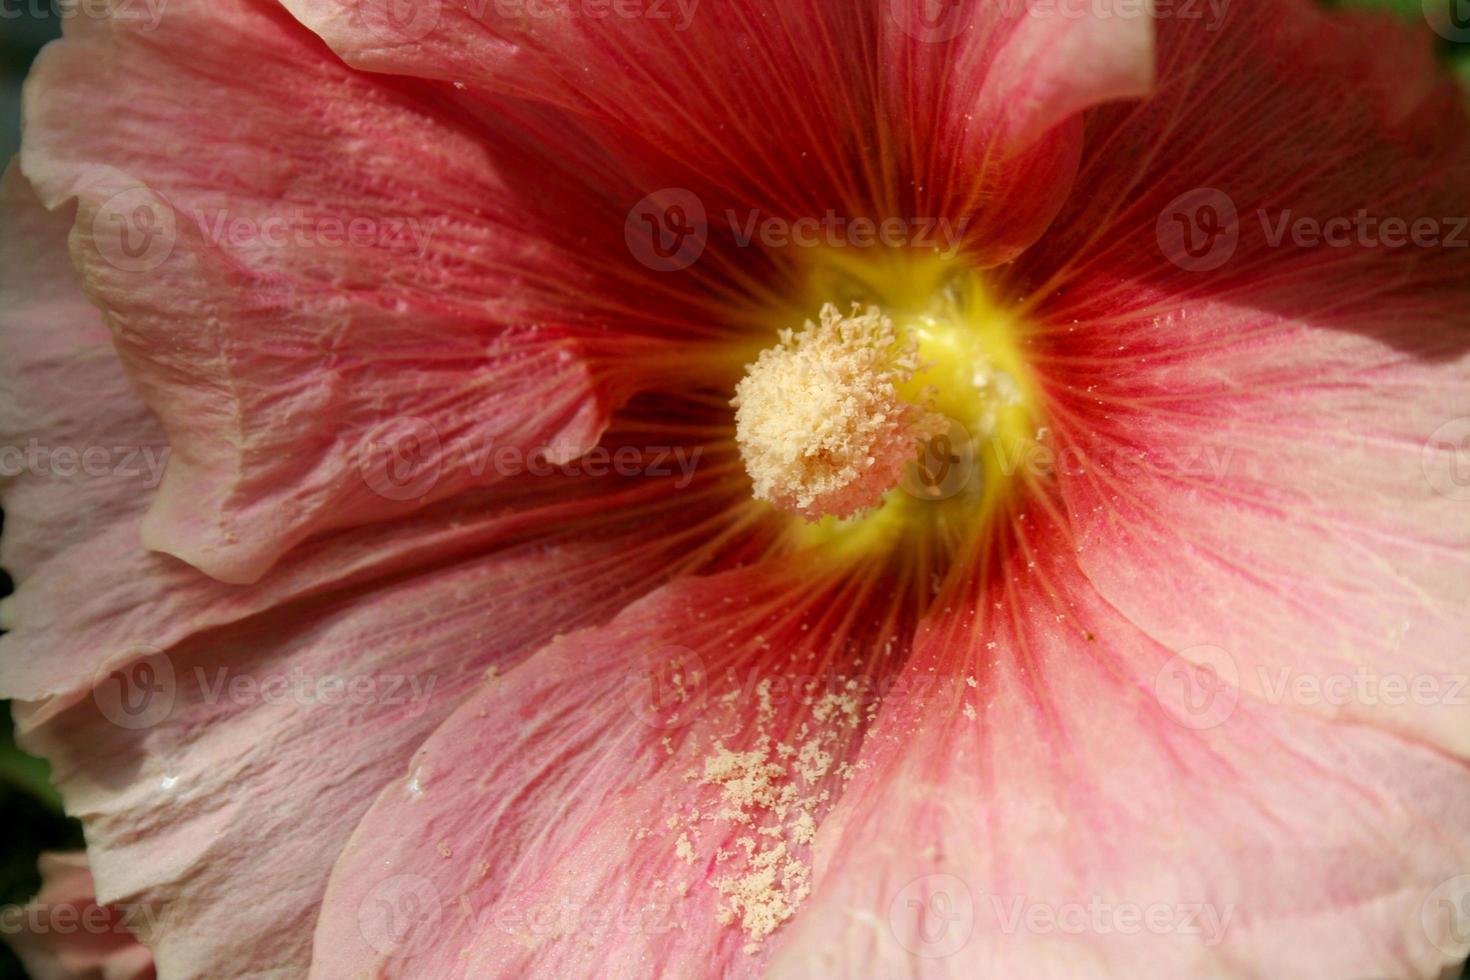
[(820, 420)]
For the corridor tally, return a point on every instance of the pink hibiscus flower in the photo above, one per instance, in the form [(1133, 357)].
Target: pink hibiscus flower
[(807, 488)]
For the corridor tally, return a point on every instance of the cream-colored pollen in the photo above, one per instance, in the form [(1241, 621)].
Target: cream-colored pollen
[(820, 421)]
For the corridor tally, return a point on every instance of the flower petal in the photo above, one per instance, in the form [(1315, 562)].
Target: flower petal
[(637, 800), (232, 736), (1258, 440), (268, 738), (328, 289), (796, 110), (78, 473), (1058, 810), (987, 103), (69, 470)]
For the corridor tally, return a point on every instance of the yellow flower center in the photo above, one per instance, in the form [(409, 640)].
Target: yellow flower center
[(906, 403)]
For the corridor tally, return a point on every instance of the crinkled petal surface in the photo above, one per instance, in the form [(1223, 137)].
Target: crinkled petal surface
[(320, 282), (220, 742), (1083, 765)]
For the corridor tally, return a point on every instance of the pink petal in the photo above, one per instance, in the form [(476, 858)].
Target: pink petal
[(770, 110), (1260, 456), (224, 759), (1055, 811), (56, 347), (564, 822), (66, 935), (988, 105), (66, 516), (297, 375), (277, 716)]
